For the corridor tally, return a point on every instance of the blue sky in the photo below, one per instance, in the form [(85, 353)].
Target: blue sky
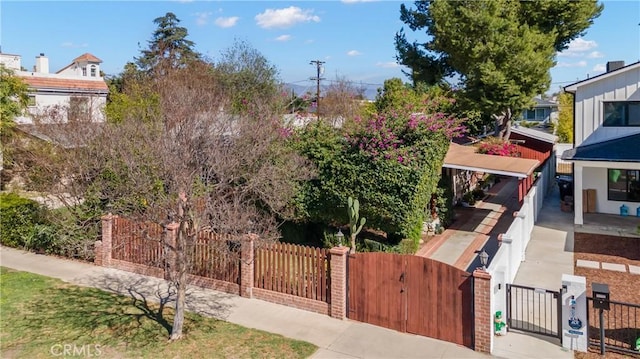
[(354, 37)]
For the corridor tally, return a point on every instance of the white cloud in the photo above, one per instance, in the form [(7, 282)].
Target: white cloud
[(202, 18), (71, 45), (600, 68), (226, 21), (572, 64), (578, 47), (310, 41), (388, 65), (354, 53), (283, 38), (283, 18), (595, 55)]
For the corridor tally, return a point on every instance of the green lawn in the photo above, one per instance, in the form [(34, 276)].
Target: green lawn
[(40, 317)]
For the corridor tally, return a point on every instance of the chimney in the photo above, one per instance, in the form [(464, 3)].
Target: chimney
[(42, 64), (614, 65)]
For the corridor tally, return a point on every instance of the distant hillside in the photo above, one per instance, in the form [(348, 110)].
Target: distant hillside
[(369, 93)]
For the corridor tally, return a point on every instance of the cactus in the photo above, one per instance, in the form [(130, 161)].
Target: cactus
[(353, 209)]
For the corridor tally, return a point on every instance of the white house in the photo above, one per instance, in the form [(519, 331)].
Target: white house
[(606, 153), (78, 88)]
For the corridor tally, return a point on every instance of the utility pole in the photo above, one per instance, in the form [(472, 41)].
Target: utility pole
[(319, 71)]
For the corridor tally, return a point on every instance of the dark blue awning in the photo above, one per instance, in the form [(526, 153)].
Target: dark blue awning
[(623, 149)]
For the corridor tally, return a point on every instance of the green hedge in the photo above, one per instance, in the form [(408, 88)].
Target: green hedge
[(19, 218)]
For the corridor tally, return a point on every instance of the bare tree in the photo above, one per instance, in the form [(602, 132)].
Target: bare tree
[(342, 100), (191, 163)]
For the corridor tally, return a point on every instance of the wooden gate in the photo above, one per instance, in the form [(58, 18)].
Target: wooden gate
[(411, 294)]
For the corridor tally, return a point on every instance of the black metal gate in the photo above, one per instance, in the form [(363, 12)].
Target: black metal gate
[(534, 310), (621, 327)]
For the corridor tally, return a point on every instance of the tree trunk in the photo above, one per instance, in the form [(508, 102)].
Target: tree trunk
[(503, 124), (180, 281)]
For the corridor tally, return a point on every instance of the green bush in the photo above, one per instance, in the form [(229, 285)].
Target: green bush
[(18, 218)]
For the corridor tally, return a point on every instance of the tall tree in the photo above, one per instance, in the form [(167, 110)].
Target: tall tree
[(189, 166), (248, 74), (168, 45), (501, 50), (179, 158), (564, 128)]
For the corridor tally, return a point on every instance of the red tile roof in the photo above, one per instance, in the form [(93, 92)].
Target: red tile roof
[(86, 57), (70, 84)]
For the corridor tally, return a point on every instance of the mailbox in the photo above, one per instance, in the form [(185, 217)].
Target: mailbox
[(600, 295)]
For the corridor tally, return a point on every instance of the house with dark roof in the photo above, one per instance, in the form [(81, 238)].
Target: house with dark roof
[(606, 153), (543, 112), (77, 91)]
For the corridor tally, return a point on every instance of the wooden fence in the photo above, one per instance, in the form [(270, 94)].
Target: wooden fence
[(292, 269), (212, 256), (216, 256), (136, 242)]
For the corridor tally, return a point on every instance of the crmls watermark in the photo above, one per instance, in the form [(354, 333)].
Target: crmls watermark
[(76, 350)]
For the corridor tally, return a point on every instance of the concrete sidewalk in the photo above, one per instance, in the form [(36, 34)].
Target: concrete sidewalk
[(335, 338)]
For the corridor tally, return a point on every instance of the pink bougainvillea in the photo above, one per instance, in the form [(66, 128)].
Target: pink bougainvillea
[(499, 148)]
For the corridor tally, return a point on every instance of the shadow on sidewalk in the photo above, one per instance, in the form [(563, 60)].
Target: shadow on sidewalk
[(143, 290)]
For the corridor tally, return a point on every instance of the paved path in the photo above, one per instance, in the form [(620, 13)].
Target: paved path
[(474, 227), (548, 256), (335, 338)]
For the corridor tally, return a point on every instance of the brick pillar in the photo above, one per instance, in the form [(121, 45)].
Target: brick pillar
[(107, 241), (482, 311), (97, 253), (338, 307), (170, 249), (246, 266)]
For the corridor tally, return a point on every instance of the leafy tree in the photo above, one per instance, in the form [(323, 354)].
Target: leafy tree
[(14, 97), (507, 63), (564, 128), (248, 75), (168, 46), (390, 161)]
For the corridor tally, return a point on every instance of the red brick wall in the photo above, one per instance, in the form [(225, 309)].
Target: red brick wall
[(289, 300), (482, 310)]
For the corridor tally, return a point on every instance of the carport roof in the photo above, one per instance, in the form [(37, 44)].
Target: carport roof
[(466, 158)]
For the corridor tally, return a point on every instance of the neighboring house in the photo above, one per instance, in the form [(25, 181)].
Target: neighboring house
[(544, 111), (77, 91), (606, 153)]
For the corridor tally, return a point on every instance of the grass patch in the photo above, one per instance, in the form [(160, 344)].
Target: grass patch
[(40, 315)]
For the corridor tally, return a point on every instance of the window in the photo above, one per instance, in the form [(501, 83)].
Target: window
[(623, 185), (31, 102), (93, 70), (84, 71), (621, 114)]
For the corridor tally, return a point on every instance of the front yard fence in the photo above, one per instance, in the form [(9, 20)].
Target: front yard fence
[(293, 275)]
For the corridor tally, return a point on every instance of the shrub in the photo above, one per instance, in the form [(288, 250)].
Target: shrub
[(18, 218)]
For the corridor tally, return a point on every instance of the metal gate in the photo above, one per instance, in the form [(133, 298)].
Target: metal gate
[(534, 310)]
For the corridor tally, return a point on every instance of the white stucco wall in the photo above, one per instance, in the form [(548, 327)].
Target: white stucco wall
[(9, 61), (624, 86), (46, 102)]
